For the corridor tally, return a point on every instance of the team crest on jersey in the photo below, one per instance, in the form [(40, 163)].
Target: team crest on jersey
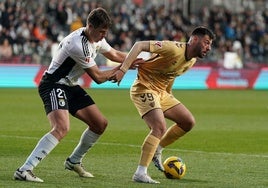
[(158, 43)]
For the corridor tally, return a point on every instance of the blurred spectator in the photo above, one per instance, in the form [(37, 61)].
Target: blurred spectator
[(5, 50), (76, 23), (33, 27), (61, 13), (232, 55), (39, 33)]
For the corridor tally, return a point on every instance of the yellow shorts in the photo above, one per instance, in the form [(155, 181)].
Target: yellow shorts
[(149, 100)]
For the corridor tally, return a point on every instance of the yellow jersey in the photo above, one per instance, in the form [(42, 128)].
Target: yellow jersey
[(160, 70)]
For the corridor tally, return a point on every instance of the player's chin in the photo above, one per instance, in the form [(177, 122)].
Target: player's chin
[(99, 39), (202, 55)]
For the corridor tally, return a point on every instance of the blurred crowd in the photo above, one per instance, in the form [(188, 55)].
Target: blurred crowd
[(31, 30)]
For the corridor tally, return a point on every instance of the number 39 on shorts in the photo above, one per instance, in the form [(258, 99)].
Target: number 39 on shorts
[(146, 97)]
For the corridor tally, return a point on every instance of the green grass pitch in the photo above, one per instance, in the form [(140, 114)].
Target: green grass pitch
[(228, 147)]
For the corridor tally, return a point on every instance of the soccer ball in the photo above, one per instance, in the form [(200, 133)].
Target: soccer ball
[(174, 168)]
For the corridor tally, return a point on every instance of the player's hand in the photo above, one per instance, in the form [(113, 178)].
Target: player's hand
[(136, 63), (117, 76)]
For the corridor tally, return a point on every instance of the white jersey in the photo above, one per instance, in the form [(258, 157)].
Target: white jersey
[(75, 53)]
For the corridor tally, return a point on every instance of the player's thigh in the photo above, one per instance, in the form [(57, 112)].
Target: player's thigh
[(91, 115), (156, 122), (59, 119), (83, 107), (181, 115)]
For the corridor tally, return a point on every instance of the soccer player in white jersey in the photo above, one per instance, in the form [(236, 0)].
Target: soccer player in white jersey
[(151, 92), (62, 95)]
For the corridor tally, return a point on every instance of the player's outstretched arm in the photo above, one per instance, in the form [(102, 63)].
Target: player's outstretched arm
[(137, 48), (115, 55), (100, 76)]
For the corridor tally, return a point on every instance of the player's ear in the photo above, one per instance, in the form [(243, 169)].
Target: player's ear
[(90, 26), (195, 38)]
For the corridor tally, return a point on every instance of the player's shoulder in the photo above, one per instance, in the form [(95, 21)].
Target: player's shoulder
[(75, 41), (170, 43), (77, 36), (180, 44), (175, 46)]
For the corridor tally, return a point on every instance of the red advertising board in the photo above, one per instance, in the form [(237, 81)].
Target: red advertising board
[(232, 79)]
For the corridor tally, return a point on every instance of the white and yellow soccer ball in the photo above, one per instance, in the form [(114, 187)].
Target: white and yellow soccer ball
[(174, 167)]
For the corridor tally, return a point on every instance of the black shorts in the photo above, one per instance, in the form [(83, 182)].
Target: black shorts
[(59, 96)]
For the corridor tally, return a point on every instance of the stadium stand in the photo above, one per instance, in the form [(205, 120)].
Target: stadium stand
[(33, 28)]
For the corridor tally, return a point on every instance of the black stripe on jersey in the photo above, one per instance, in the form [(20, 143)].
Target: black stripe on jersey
[(85, 46), (61, 72)]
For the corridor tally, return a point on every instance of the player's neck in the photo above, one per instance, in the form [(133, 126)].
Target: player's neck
[(187, 52), (88, 35), (190, 51)]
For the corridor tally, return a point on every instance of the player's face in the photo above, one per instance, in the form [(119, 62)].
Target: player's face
[(204, 46), (97, 34)]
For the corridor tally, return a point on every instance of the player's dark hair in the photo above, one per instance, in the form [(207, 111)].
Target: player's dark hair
[(202, 31), (99, 18)]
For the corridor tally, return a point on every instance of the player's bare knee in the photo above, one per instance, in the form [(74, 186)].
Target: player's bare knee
[(158, 131), (162, 130), (60, 132), (103, 127), (99, 127), (189, 124)]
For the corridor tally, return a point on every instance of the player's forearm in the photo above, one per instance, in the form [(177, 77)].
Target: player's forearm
[(101, 77), (104, 76), (132, 55), (121, 57), (115, 55)]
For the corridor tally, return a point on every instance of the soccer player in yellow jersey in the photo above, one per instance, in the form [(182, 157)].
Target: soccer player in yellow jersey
[(151, 92)]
